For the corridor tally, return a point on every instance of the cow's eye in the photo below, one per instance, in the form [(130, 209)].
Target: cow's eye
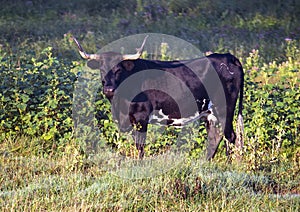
[(117, 75), (117, 72)]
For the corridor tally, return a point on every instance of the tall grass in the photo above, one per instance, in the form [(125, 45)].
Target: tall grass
[(35, 183)]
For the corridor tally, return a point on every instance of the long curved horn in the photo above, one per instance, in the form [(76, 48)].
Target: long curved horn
[(138, 54), (82, 53)]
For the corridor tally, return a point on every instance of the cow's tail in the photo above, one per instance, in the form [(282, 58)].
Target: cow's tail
[(240, 123)]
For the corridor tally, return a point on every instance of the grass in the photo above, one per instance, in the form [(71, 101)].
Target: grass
[(70, 181), (39, 183)]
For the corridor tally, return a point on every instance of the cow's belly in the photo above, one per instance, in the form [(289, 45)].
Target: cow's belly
[(159, 118)]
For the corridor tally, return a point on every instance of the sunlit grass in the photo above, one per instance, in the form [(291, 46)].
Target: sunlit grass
[(35, 183)]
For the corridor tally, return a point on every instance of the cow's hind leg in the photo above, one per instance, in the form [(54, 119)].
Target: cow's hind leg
[(228, 130), (230, 138), (214, 136)]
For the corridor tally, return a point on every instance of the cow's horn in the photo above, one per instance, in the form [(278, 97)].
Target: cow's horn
[(138, 54), (82, 53)]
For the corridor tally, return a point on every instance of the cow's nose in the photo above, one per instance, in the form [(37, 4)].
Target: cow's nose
[(109, 91)]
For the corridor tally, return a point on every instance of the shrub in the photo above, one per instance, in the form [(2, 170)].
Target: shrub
[(36, 96)]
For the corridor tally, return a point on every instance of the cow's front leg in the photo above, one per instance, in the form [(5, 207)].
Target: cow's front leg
[(139, 118), (214, 136), (140, 138)]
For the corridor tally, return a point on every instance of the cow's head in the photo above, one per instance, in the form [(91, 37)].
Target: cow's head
[(114, 67)]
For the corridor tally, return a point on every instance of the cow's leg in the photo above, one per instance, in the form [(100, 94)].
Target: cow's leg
[(214, 136), (139, 138), (139, 135), (139, 118), (230, 137), (228, 130)]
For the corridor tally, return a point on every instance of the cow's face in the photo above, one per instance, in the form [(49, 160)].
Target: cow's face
[(114, 67), (116, 76), (111, 79)]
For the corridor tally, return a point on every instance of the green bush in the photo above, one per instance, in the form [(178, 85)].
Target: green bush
[(36, 96), (37, 87), (38, 93), (272, 100)]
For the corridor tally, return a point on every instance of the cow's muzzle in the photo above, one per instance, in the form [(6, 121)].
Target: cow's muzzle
[(109, 92)]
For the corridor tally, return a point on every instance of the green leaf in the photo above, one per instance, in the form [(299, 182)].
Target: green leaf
[(22, 106), (279, 104)]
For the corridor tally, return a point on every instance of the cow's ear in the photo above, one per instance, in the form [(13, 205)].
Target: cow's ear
[(128, 65), (93, 64)]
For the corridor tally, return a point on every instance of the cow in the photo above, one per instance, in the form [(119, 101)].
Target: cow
[(213, 83)]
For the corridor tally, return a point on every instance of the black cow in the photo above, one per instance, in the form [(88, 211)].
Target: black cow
[(172, 93)]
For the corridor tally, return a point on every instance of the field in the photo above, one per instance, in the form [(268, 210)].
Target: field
[(46, 166)]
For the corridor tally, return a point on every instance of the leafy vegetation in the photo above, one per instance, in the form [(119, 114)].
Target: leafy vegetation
[(43, 166)]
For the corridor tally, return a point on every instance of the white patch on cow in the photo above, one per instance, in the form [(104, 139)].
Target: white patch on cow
[(211, 118), (210, 106), (203, 104), (185, 121), (159, 118)]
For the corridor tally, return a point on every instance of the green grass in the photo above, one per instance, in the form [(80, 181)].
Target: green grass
[(44, 167), (38, 183)]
